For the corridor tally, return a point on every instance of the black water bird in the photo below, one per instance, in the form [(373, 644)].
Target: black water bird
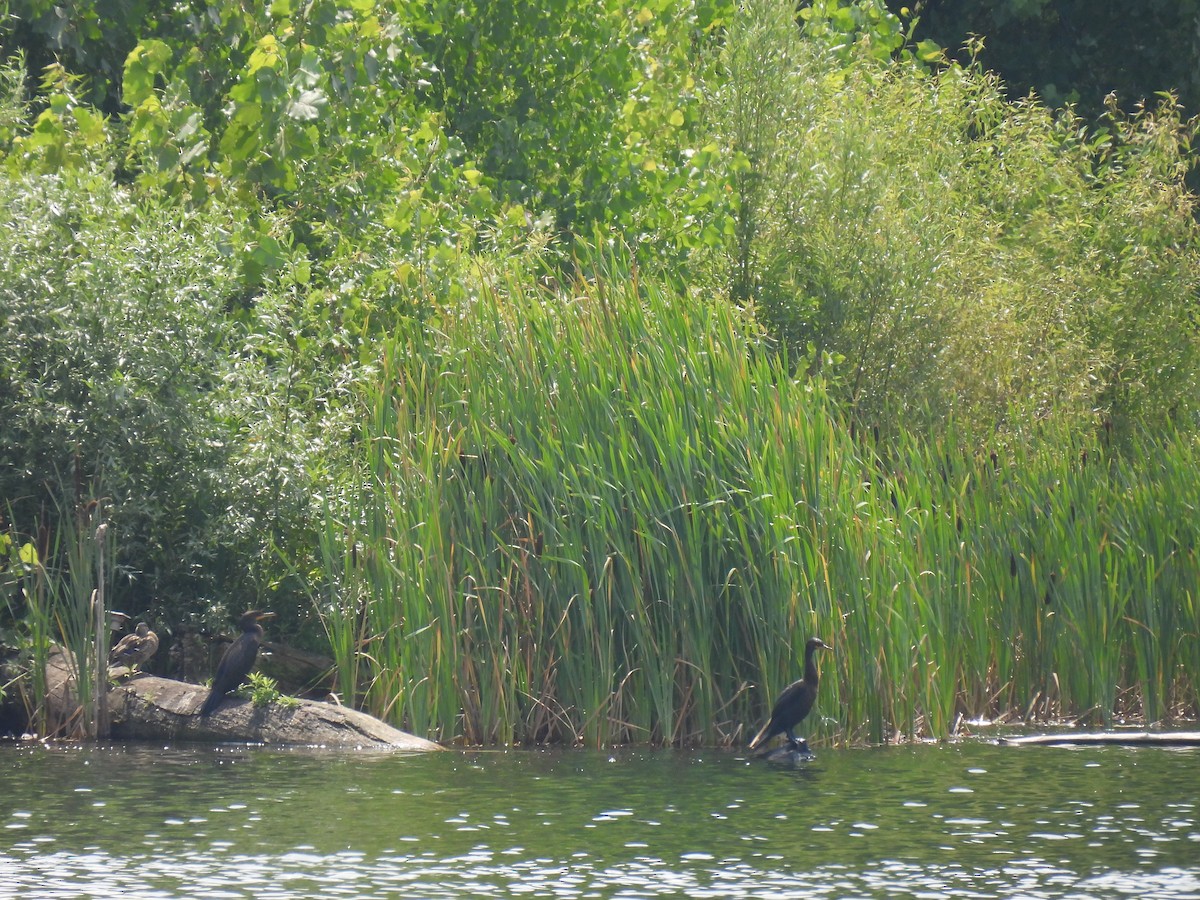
[(795, 701), (134, 649), (237, 660)]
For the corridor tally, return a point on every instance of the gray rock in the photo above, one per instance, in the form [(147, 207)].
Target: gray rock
[(147, 707)]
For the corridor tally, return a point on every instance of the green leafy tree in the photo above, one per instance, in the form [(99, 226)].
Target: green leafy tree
[(89, 38), (585, 110), (112, 344), (940, 252), (1076, 51)]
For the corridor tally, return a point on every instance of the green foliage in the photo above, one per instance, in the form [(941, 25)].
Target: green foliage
[(67, 133), (23, 584), (1085, 253), (535, 90), (419, 131), (13, 101), (841, 26), (602, 514), (111, 342), (586, 109), (1077, 51), (263, 690), (167, 135), (319, 303), (55, 576), (87, 37), (313, 105), (934, 249)]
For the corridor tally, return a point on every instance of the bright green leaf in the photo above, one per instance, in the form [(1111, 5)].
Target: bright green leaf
[(91, 126), (145, 61), (266, 54), (930, 52), (307, 107)]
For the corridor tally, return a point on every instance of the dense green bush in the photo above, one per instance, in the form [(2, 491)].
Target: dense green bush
[(133, 373), (113, 340), (933, 248), (1075, 51)]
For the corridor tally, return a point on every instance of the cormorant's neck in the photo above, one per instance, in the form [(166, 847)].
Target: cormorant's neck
[(810, 665)]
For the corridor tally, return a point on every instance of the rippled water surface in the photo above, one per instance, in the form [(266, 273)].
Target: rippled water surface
[(968, 820)]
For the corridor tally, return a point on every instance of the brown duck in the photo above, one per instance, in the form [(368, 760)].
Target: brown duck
[(135, 648)]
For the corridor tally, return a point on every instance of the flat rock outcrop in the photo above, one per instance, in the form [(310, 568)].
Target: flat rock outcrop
[(148, 707)]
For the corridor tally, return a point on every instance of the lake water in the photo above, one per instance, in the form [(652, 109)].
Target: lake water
[(969, 820)]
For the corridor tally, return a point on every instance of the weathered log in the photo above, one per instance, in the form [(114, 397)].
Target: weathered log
[(1126, 738), (149, 707)]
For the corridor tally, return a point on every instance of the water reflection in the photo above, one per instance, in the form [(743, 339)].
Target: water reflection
[(938, 821)]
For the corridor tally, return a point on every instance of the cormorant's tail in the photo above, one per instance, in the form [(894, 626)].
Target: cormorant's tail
[(211, 702), (762, 737)]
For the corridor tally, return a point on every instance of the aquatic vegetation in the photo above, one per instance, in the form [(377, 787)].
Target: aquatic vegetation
[(596, 516), (262, 690), (57, 586)]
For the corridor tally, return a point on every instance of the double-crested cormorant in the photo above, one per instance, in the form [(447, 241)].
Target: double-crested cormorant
[(135, 648), (795, 701), (238, 659)]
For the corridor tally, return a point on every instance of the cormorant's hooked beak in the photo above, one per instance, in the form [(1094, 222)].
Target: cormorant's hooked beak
[(259, 616)]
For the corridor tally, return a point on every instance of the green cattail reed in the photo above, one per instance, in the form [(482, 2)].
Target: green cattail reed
[(58, 578), (26, 560), (342, 600), (605, 514)]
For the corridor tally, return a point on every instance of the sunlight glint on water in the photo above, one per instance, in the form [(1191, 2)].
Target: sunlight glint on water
[(970, 820)]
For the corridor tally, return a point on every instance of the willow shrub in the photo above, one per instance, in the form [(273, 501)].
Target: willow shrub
[(938, 249), (604, 514), (112, 343)]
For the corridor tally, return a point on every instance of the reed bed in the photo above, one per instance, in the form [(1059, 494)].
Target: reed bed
[(605, 515), (59, 577)]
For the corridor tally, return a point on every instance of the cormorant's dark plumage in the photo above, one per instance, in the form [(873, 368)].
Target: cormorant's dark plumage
[(237, 661), (135, 648), (795, 701)]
